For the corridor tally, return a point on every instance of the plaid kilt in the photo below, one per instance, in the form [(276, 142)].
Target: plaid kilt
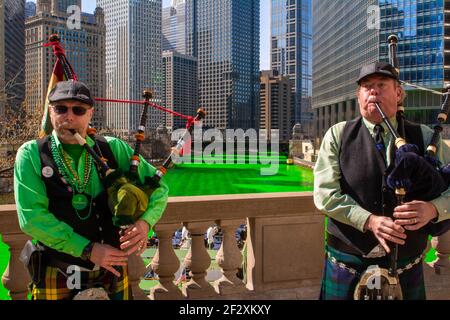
[(53, 284), (339, 283)]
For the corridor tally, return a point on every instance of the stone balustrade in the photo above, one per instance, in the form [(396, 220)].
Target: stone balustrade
[(15, 278), (284, 250)]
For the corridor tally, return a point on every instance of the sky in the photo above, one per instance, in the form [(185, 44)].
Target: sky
[(89, 6)]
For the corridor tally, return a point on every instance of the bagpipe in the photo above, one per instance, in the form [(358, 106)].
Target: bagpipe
[(414, 177), (422, 177), (127, 195)]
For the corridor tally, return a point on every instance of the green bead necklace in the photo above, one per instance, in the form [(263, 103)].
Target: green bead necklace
[(79, 199)]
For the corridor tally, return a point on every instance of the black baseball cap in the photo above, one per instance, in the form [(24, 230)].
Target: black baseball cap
[(71, 90), (379, 68)]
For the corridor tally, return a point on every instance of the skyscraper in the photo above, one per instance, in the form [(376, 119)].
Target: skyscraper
[(228, 62), (179, 90), (178, 27), (179, 66), (133, 59), (12, 53), (169, 25), (85, 50), (30, 9), (276, 103), (342, 44), (291, 51), (63, 5), (348, 35), (422, 51)]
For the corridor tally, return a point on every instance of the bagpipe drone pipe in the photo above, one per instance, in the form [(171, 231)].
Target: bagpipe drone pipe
[(422, 177)]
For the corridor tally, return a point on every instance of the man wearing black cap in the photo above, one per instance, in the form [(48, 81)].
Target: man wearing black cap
[(350, 188), (62, 204)]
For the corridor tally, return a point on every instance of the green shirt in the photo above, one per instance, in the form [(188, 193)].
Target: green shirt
[(328, 196), (32, 201)]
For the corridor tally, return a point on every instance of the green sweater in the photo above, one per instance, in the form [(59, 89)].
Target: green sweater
[(32, 201)]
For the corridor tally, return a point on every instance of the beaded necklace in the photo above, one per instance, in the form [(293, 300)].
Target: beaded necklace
[(70, 177)]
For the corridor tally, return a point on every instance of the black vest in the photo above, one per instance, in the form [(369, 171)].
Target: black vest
[(363, 177), (97, 228)]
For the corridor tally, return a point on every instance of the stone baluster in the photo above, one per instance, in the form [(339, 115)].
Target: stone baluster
[(16, 278), (136, 270), (229, 258), (198, 261), (442, 245), (165, 263)]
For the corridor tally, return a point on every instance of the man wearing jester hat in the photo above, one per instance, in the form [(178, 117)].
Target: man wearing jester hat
[(63, 205)]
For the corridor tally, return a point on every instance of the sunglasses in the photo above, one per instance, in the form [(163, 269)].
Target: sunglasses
[(78, 111)]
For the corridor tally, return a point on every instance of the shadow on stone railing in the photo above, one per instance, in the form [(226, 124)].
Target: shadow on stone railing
[(284, 247), (285, 250)]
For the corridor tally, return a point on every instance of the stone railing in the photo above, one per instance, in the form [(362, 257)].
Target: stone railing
[(284, 259)]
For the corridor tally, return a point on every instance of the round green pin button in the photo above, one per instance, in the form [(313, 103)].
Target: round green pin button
[(79, 201)]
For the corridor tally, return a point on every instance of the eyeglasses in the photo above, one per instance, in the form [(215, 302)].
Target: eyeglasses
[(78, 111)]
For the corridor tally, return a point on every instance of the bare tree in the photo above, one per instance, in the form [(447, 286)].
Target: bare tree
[(7, 88), (16, 127), (17, 124)]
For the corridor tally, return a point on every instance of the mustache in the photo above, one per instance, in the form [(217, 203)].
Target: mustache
[(65, 126), (372, 99)]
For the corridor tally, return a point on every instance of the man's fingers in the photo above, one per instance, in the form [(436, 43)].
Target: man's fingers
[(139, 247), (129, 243), (392, 226), (392, 238), (126, 237), (410, 206), (117, 253), (384, 244), (112, 270), (130, 234), (397, 228), (134, 248), (125, 245), (405, 222), (393, 232), (405, 215), (114, 260)]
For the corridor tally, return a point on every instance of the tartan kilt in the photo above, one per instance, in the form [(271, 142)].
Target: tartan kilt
[(53, 284), (339, 283)]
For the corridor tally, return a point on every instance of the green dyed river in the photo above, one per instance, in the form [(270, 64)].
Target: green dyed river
[(214, 179)]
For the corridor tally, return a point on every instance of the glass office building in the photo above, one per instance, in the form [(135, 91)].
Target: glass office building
[(420, 28), (178, 27), (169, 29), (345, 39), (63, 5), (228, 62), (133, 60), (291, 51), (30, 9), (342, 44), (179, 87), (12, 52)]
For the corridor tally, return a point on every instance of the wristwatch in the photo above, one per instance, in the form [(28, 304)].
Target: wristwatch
[(86, 254)]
